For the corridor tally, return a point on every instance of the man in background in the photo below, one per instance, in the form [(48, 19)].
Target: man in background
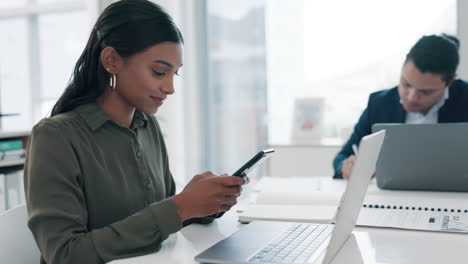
[(428, 93)]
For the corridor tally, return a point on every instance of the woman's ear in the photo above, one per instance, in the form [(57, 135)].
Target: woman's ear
[(111, 60)]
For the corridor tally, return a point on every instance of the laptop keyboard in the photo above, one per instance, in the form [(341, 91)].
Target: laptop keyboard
[(295, 245)]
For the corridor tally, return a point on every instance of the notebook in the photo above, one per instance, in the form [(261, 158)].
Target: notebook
[(428, 211), (441, 214), (297, 206)]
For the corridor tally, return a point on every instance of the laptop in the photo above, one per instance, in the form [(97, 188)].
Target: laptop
[(286, 242), (425, 157)]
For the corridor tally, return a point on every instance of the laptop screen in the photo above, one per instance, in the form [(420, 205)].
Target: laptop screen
[(351, 201)]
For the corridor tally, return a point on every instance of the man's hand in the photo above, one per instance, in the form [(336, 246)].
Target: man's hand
[(348, 165)]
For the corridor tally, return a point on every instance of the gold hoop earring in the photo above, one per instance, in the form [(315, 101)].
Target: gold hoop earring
[(113, 81)]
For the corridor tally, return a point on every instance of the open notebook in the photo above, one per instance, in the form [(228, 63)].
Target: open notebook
[(299, 200), (430, 214)]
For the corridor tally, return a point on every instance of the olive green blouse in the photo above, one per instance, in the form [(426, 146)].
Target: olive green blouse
[(98, 191)]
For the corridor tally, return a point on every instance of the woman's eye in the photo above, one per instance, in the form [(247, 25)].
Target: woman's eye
[(158, 73)]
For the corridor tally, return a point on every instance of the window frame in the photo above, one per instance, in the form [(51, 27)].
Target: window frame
[(31, 11)]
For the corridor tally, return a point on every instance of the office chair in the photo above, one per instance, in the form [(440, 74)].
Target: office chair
[(17, 245)]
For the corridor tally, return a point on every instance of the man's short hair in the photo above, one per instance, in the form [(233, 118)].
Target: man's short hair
[(437, 54)]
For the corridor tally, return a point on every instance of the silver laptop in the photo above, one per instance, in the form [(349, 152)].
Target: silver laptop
[(286, 242), (423, 157)]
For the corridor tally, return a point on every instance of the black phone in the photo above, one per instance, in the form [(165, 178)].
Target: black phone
[(247, 167), (253, 162)]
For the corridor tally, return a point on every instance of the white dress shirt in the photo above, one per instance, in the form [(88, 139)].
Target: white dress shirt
[(431, 117)]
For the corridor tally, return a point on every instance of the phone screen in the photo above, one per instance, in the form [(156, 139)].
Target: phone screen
[(253, 162)]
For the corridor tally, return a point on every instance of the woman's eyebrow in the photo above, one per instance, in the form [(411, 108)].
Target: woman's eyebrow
[(166, 63)]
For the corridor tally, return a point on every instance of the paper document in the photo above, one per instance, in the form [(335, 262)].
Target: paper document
[(416, 213), (414, 219)]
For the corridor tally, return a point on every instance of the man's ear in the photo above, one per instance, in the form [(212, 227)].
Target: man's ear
[(111, 60)]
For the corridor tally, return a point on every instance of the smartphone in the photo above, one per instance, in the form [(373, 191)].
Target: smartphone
[(253, 162), (247, 167)]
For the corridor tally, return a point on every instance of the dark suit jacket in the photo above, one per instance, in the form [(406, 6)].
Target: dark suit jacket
[(385, 107)]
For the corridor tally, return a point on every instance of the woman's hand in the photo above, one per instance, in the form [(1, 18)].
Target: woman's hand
[(207, 194)]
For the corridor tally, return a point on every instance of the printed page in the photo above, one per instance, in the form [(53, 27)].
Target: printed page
[(414, 219), (418, 203)]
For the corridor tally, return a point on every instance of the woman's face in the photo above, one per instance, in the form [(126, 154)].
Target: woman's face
[(145, 79)]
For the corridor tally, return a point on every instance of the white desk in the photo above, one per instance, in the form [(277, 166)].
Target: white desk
[(374, 245)]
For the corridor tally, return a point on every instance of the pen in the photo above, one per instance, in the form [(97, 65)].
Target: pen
[(355, 149)]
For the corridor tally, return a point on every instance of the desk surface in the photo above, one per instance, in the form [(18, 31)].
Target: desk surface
[(373, 245)]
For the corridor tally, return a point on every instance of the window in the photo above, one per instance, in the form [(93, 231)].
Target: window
[(360, 50), (264, 54), (15, 95), (59, 50), (236, 95), (42, 41), (11, 4)]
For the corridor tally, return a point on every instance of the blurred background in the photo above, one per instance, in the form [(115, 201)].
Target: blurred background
[(246, 63)]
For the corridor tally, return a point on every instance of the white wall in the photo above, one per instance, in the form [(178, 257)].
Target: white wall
[(302, 160), (463, 36)]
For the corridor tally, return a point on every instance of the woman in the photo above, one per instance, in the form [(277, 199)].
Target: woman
[(97, 179)]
